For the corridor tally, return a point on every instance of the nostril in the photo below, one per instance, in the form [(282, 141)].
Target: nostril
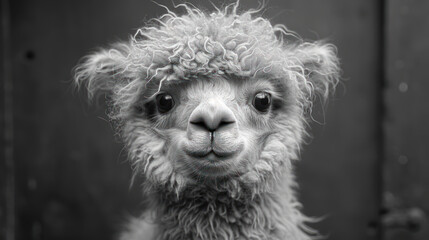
[(225, 123), (211, 126), (200, 124)]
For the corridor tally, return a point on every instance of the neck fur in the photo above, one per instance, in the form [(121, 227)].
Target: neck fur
[(201, 212)]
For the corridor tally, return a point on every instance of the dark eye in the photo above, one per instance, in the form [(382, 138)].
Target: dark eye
[(164, 102), (262, 101)]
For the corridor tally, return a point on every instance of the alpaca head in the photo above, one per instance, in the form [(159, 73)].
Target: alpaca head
[(214, 99)]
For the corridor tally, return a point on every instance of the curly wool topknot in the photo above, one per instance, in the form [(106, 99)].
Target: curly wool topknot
[(196, 43)]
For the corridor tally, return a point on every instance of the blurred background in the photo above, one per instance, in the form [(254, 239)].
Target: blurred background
[(64, 175)]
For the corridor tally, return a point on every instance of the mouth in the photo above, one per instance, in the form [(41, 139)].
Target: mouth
[(212, 161), (210, 154)]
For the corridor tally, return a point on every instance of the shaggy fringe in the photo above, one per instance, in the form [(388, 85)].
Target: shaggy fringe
[(197, 43)]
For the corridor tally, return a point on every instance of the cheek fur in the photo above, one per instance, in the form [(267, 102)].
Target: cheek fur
[(149, 153)]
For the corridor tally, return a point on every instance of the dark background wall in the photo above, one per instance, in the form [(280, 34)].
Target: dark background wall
[(63, 174)]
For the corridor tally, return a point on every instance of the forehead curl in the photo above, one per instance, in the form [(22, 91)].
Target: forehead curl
[(200, 43), (180, 46), (196, 43)]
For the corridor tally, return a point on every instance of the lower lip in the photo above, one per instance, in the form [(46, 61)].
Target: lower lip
[(213, 157)]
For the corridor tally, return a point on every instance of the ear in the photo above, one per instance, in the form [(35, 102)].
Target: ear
[(320, 66), (101, 71)]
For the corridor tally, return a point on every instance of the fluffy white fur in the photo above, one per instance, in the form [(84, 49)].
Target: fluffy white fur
[(218, 59)]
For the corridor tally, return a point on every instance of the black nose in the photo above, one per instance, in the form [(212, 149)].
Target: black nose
[(211, 124), (212, 118)]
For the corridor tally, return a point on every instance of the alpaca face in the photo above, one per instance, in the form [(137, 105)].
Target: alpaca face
[(216, 126), (218, 99)]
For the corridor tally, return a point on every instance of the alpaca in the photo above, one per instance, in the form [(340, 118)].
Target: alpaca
[(213, 109)]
